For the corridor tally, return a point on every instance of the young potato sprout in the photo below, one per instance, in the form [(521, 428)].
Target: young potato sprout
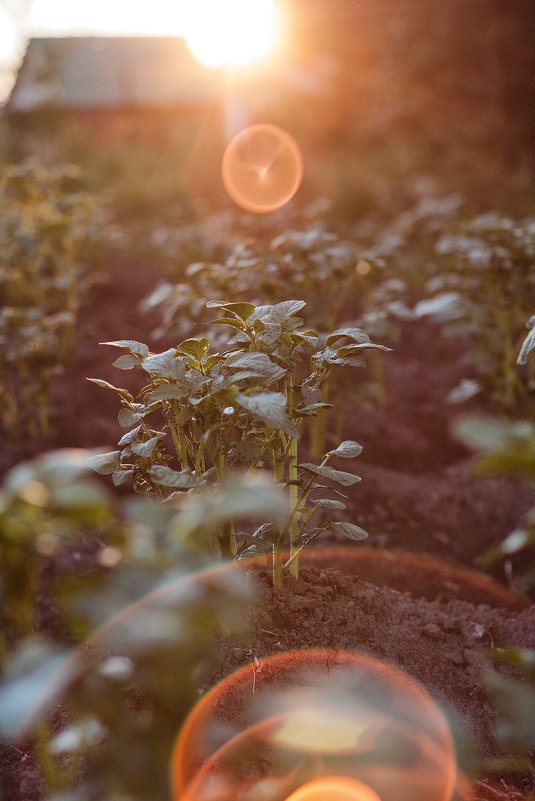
[(241, 409)]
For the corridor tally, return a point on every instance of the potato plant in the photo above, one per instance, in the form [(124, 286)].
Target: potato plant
[(319, 267), (312, 264), (44, 228), (240, 408), (481, 285)]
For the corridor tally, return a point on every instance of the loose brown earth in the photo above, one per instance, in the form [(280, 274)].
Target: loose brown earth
[(418, 496)]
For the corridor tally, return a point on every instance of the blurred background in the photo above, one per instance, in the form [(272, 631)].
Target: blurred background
[(387, 98)]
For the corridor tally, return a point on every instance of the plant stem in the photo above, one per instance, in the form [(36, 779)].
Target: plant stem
[(319, 426), (278, 475), (294, 519), (228, 537), (178, 439)]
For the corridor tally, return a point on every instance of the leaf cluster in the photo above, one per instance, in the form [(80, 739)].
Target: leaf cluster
[(238, 409)]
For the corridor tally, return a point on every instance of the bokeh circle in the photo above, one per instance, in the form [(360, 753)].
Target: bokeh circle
[(262, 168)]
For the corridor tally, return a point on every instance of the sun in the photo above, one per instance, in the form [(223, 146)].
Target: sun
[(235, 33)]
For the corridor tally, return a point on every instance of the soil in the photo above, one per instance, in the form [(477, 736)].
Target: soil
[(419, 499)]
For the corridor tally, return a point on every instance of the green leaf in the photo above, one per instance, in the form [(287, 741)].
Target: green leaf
[(81, 497), (356, 334), (256, 364), (122, 477), (312, 408), (256, 548), (528, 345), (165, 391), (145, 449), (310, 394), (349, 530), (234, 498), (282, 311), (349, 350), (267, 533), (249, 451), (29, 686), (127, 417), (339, 476), (483, 433), (104, 463), (169, 364), (307, 336), (197, 348), (127, 362), (124, 393), (172, 478), (332, 356), (231, 321), (211, 361), (329, 503), (270, 407), (240, 309), (129, 437), (130, 344), (347, 449), (514, 702)]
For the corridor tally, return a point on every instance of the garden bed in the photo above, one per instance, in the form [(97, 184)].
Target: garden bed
[(418, 496)]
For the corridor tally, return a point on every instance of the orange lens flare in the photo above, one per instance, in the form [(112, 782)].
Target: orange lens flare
[(262, 168), (314, 715), (334, 788)]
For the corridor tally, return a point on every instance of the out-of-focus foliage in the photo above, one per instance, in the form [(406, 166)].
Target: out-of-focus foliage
[(46, 228), (512, 695), (491, 280), (526, 354), (474, 277), (102, 720), (312, 264), (505, 448), (47, 509)]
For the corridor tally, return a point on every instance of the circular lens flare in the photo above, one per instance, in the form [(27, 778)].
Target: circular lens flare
[(344, 714), (334, 788), (262, 168)]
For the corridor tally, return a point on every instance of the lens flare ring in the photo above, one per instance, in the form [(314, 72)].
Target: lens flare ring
[(262, 168)]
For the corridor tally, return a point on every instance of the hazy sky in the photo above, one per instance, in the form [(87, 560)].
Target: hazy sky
[(18, 20), (21, 19)]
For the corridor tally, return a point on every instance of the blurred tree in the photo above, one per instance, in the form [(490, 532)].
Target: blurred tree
[(422, 63)]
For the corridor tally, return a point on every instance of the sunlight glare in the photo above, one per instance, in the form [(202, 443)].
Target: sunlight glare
[(9, 43), (236, 33)]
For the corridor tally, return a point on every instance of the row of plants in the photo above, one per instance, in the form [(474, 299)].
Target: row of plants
[(208, 408), (48, 231), (506, 447), (473, 276)]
